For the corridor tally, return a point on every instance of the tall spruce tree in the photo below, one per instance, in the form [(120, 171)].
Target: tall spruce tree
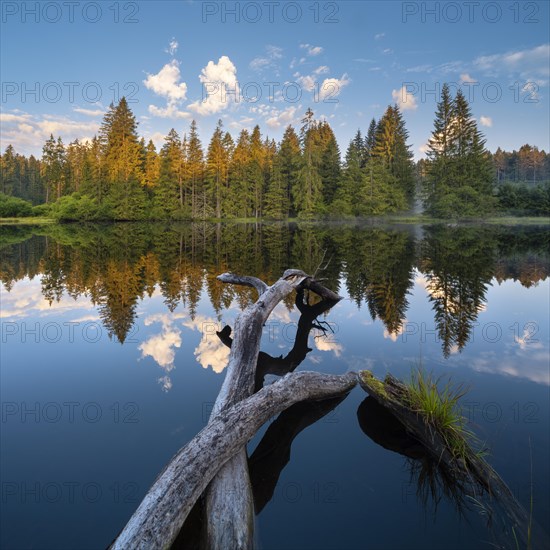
[(459, 169), (122, 161)]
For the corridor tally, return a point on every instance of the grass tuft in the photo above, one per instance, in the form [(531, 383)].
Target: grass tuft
[(438, 403)]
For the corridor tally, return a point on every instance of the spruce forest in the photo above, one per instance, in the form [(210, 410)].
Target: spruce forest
[(118, 176)]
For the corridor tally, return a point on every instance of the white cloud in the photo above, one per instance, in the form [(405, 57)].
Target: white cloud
[(323, 69), (172, 47), (465, 78), (379, 35), (210, 352), (312, 50), (306, 82), (27, 133), (273, 53), (220, 84), (326, 344), (331, 87), (161, 346), (486, 121), (166, 83), (533, 62), (282, 118), (170, 111), (393, 336), (404, 99), (89, 112)]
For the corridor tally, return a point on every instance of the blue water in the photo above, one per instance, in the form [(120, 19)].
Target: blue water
[(88, 422)]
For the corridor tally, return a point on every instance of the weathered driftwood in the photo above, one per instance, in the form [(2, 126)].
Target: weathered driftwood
[(473, 475), (159, 517), (229, 504)]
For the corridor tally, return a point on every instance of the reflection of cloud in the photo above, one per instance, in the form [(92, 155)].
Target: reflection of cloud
[(161, 347), (210, 352), (166, 383), (526, 339), (26, 300), (325, 344), (454, 349), (393, 336), (517, 362)]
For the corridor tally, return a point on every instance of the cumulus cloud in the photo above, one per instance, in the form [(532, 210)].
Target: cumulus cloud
[(486, 121), (404, 99), (331, 87), (328, 89), (220, 84), (166, 83), (282, 118), (379, 36)]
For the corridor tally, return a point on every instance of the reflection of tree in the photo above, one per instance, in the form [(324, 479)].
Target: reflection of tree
[(273, 452), (458, 264), (433, 479), (117, 265), (379, 270)]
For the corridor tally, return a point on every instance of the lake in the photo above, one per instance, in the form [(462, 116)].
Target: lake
[(110, 363)]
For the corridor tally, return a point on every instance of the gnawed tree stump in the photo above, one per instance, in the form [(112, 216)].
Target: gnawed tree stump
[(159, 517)]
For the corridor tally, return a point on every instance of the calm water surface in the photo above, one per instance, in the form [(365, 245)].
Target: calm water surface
[(110, 363)]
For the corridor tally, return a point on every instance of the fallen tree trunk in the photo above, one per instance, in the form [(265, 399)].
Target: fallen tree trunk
[(162, 512), (229, 505)]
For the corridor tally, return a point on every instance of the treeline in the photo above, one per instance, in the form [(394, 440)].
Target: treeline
[(118, 265), (118, 176)]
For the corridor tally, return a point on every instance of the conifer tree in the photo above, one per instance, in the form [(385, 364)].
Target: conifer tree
[(195, 168), (290, 157), (216, 168), (459, 169)]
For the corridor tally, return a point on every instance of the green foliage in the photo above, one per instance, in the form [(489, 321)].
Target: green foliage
[(524, 199), (438, 403), (13, 207), (459, 180), (302, 177), (77, 207)]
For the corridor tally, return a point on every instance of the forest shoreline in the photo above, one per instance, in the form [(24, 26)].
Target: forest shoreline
[(405, 219)]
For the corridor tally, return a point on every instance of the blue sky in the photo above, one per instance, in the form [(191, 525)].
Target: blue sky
[(179, 60)]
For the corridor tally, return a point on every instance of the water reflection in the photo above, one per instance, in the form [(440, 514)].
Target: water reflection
[(112, 268)]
